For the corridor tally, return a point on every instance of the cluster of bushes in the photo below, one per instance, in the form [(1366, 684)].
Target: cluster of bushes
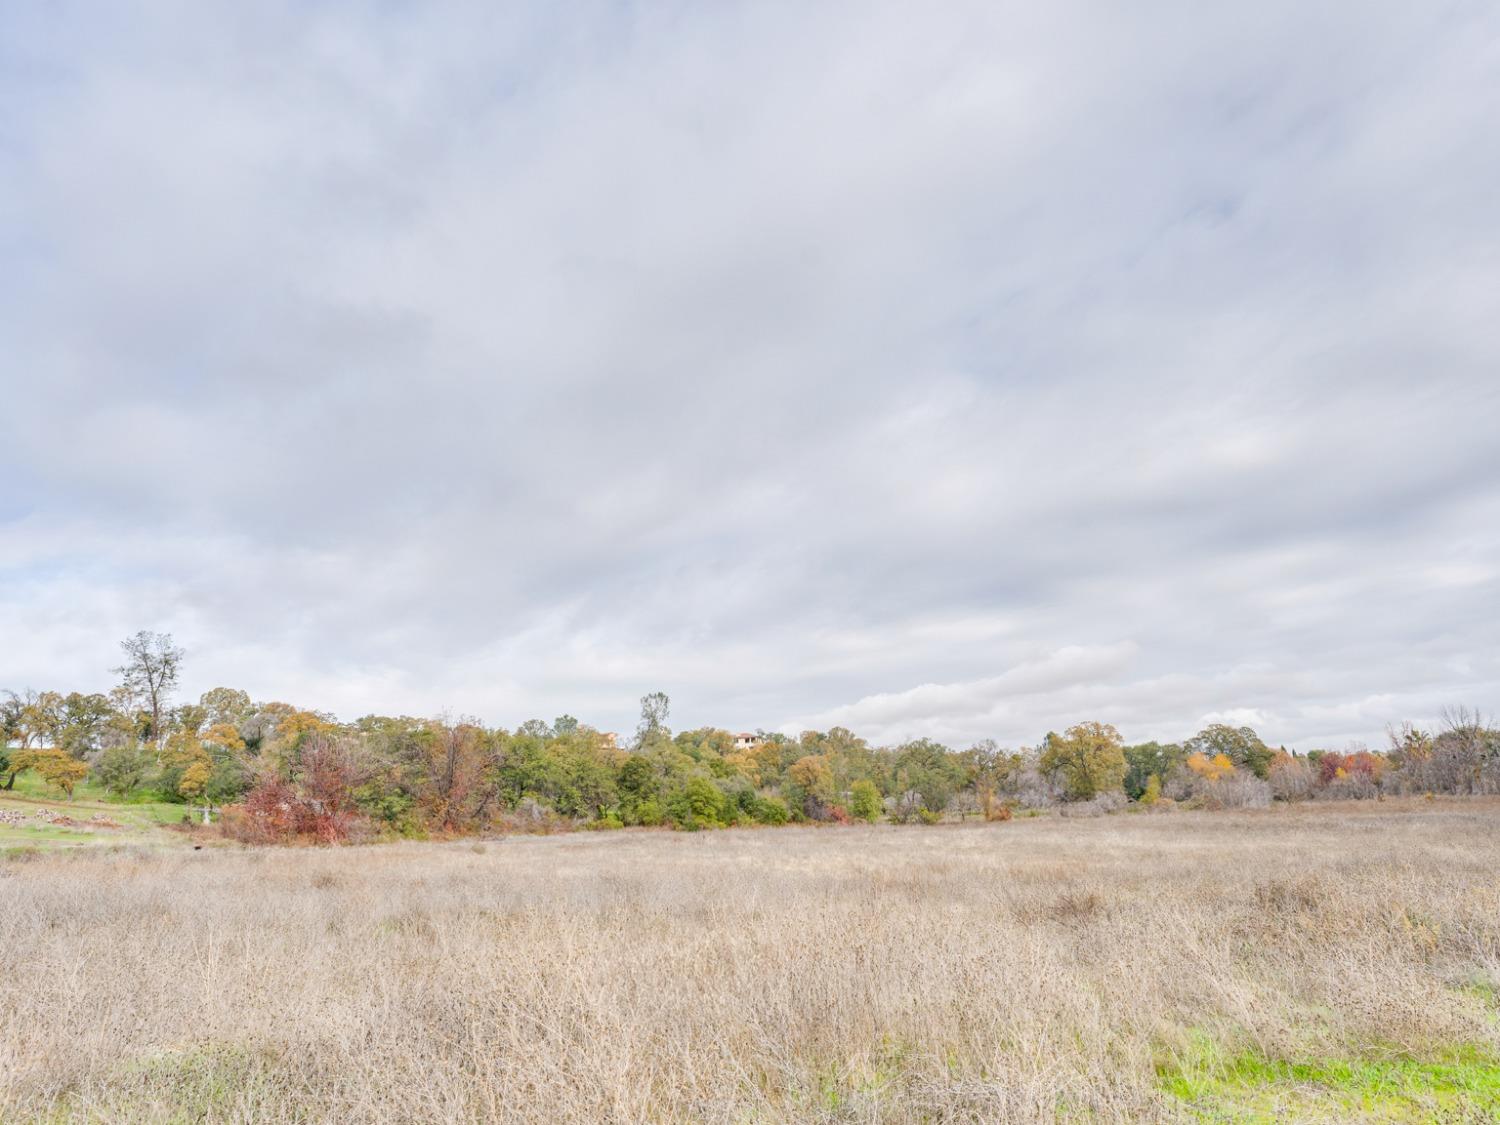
[(278, 772), (281, 773), (1231, 768)]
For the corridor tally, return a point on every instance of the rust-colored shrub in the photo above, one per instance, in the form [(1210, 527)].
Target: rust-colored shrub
[(331, 772), (270, 814), (1360, 764), (318, 807)]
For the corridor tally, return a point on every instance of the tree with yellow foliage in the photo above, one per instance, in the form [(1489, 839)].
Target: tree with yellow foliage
[(56, 767), (224, 736), (810, 785), (293, 730), (1210, 769), (758, 763), (1089, 759), (188, 763), (185, 765)]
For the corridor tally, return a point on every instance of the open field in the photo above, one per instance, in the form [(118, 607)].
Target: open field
[(1309, 963)]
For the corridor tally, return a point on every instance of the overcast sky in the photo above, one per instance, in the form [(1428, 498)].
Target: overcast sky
[(961, 369)]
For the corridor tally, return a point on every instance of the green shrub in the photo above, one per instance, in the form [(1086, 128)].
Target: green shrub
[(699, 804), (650, 814), (389, 807), (864, 801), (927, 816), (772, 810), (121, 769)]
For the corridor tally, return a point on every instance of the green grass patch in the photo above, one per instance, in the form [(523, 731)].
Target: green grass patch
[(30, 785), (137, 822), (1463, 1085), (28, 834), (202, 1082), (91, 798), (1484, 991)]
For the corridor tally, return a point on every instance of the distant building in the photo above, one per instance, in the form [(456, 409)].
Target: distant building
[(610, 739), (744, 740)]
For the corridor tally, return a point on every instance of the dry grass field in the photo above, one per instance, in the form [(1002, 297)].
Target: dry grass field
[(1314, 963)]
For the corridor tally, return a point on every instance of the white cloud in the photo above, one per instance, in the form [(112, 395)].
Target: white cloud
[(828, 365)]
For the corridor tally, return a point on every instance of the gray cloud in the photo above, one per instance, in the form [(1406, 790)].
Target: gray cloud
[(966, 373)]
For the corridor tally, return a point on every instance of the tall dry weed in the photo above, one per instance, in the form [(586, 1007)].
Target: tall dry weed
[(993, 972)]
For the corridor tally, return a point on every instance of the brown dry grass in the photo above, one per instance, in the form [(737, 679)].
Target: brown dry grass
[(1035, 970)]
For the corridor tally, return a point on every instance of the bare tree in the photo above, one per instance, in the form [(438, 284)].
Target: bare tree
[(149, 674), (654, 711), (1462, 751)]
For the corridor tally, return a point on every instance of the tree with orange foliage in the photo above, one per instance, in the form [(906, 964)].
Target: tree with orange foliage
[(453, 788), (1358, 764)]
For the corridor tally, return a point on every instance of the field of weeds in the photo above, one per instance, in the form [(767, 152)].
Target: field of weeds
[(1334, 963)]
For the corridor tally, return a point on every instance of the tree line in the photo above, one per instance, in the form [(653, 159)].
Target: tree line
[(274, 772)]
